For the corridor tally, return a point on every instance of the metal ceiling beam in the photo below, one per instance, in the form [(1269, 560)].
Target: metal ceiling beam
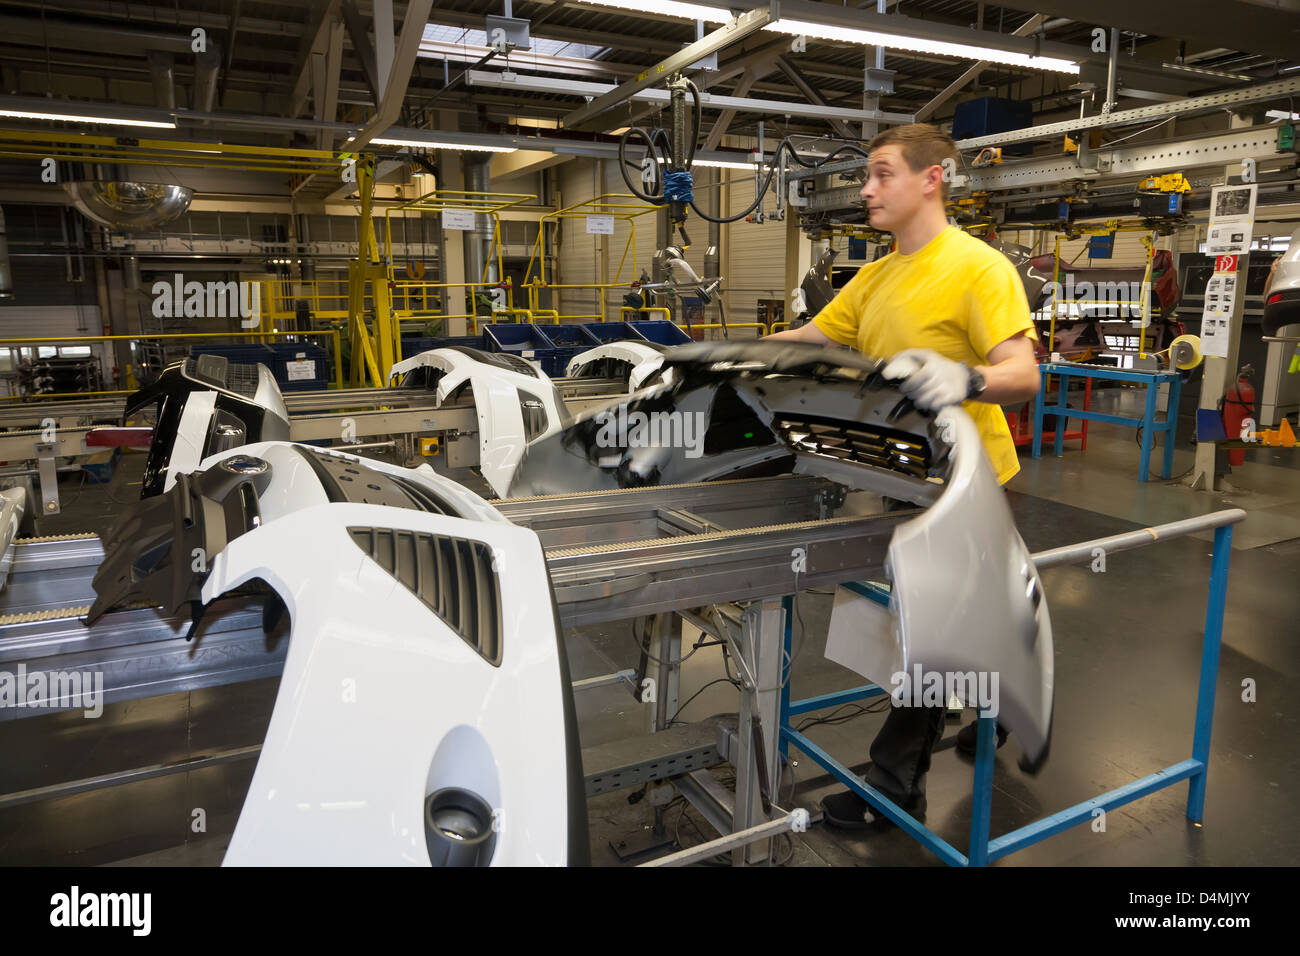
[(230, 50), (384, 38), (362, 48), (957, 85), (711, 101), (1271, 29), (314, 40), (551, 31), (326, 71), (67, 34), (399, 72), (828, 112), (166, 16), (1228, 99), (733, 31), (719, 130)]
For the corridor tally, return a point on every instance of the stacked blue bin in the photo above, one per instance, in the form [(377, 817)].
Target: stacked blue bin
[(276, 357), (611, 331), (550, 346), (523, 339), (659, 331), (569, 340), (299, 366), (414, 345)]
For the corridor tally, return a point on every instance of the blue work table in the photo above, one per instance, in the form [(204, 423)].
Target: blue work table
[(1147, 422)]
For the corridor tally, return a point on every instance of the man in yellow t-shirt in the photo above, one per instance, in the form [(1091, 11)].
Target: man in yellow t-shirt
[(950, 314)]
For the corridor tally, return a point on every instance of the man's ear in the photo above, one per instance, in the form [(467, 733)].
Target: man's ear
[(934, 179)]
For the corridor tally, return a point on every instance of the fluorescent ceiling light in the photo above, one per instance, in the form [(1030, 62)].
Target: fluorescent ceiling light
[(83, 118), (430, 144), (1203, 71), (723, 164), (668, 8), (964, 51)]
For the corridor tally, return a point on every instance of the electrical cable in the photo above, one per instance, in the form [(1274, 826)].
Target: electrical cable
[(716, 680), (659, 149)]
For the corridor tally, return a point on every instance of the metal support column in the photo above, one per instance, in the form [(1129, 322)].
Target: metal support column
[(49, 478), (762, 645), (1214, 607), (373, 353), (667, 641)]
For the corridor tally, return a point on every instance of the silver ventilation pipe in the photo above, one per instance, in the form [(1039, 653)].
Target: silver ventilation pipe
[(162, 70), (478, 241), (6, 276)]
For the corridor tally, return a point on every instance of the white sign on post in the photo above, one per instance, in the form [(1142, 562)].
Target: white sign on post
[(1232, 224), (461, 219), (600, 225)]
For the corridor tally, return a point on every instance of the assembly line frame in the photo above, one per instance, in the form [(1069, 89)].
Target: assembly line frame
[(696, 563), (982, 850)]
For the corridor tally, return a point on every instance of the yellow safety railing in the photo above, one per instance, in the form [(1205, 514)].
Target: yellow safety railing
[(534, 287), (511, 314), (622, 207), (729, 326), (280, 297), (479, 203), (332, 334), (668, 314)]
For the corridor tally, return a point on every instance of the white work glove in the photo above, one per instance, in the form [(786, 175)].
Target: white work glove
[(931, 381)]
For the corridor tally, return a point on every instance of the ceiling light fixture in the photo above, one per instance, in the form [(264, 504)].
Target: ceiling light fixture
[(724, 164), (668, 8), (964, 51), (1203, 71), (86, 118), (430, 144)]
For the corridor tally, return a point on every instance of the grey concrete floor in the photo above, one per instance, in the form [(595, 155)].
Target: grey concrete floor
[(1127, 661)]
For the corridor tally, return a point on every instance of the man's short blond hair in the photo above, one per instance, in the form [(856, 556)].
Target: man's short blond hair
[(922, 146)]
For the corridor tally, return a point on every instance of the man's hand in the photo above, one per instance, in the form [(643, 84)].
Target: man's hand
[(931, 381)]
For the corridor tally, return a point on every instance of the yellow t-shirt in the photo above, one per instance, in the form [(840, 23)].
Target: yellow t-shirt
[(956, 295)]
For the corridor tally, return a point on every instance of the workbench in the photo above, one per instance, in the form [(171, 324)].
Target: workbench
[(1147, 422)]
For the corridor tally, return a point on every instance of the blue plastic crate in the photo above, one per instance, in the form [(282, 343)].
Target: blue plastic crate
[(522, 339), (660, 331), (283, 353), (611, 331), (987, 115), (414, 345), (570, 336), (556, 362)]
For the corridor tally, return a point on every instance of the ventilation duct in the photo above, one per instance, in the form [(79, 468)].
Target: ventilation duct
[(6, 277), (135, 207)]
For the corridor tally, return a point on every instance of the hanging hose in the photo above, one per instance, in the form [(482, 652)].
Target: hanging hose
[(655, 200), (677, 185)]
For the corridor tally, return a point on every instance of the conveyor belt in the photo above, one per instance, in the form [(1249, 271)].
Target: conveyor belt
[(633, 560), (28, 417)]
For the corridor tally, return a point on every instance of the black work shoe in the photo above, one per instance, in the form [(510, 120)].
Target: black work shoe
[(847, 811), (968, 736)]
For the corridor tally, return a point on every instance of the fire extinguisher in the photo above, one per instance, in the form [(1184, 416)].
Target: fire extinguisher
[(1238, 405)]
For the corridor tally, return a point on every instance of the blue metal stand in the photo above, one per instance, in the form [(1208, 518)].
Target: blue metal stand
[(982, 850), (1148, 423)]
